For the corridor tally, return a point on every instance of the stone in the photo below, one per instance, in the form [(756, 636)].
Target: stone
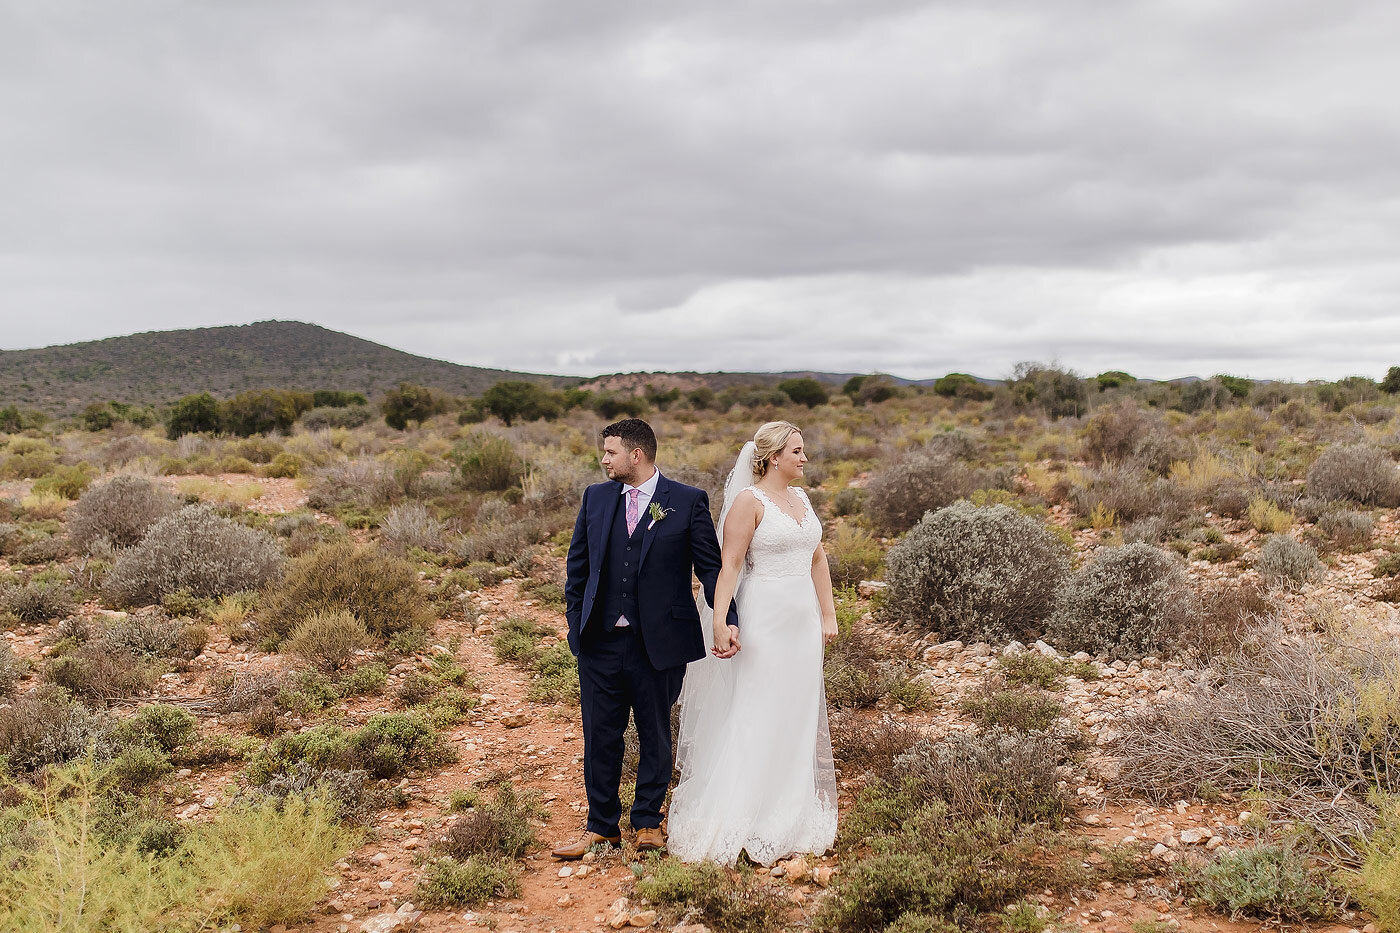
[(1159, 850), (797, 870), (566, 871), (583, 871), (564, 900), (515, 720), (869, 588), (619, 915), (644, 919), (1191, 837), (1013, 649), (400, 921), (1042, 648), (822, 875)]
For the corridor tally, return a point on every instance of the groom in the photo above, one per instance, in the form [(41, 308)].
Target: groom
[(633, 625)]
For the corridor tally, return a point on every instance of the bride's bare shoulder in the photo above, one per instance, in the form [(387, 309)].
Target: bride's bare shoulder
[(748, 507)]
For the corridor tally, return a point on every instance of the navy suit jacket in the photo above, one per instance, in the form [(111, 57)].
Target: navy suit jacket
[(671, 548)]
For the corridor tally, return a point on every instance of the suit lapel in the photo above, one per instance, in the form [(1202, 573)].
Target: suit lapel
[(597, 544), (661, 498)]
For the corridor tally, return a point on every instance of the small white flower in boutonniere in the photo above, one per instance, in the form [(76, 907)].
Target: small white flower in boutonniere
[(657, 514)]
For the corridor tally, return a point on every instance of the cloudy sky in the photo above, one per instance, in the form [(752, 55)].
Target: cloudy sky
[(1174, 187)]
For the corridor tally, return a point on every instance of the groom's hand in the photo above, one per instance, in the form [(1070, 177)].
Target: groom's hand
[(728, 651)]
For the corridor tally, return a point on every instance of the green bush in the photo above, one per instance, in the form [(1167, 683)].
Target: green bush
[(198, 551), (501, 826), (36, 602), (471, 883), (1128, 602), (486, 462), (159, 726), (706, 890), (518, 640), (556, 677), (47, 727), (65, 481), (1270, 882), (1017, 710), (381, 590), (975, 572), (1377, 884), (853, 555), (328, 639)]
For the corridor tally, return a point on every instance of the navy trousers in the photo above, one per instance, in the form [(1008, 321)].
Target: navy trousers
[(615, 679)]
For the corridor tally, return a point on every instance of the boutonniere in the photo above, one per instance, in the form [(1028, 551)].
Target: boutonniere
[(657, 514)]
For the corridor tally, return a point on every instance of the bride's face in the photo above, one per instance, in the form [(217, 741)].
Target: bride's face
[(788, 462)]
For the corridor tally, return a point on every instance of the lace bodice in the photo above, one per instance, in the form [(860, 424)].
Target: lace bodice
[(782, 546)]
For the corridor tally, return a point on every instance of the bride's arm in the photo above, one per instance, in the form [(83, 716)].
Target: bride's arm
[(821, 579), (739, 526)]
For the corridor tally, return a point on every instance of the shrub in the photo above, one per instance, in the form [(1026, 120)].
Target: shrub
[(411, 525), (498, 538), (1270, 882), (1127, 492), (65, 481), (270, 862), (349, 791), (364, 483), (1288, 561), (284, 465), (12, 668), (46, 727), (1287, 719), (1228, 613), (869, 746), (1032, 669), (328, 639), (379, 589), (148, 634), (450, 883), (1127, 602), (1114, 432), (1346, 528), (556, 677), (500, 827), (388, 745), (899, 495), (518, 639), (858, 672), (1355, 472), (99, 673), (1267, 517), (159, 726), (198, 551), (36, 602), (996, 773), (853, 555), (486, 462), (1377, 884), (973, 572), (709, 893), (324, 417), (1015, 710)]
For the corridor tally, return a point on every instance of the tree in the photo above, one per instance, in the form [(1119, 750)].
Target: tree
[(804, 391), (263, 411), (1114, 379), (193, 414), (513, 399), (1057, 392), (1237, 386), (701, 398), (98, 417), (411, 402), (961, 385), (1391, 383), (337, 398)]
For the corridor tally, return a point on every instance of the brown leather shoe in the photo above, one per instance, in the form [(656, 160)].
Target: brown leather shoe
[(651, 840), (575, 850)]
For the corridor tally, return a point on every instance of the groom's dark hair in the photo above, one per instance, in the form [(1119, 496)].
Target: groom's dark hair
[(635, 434)]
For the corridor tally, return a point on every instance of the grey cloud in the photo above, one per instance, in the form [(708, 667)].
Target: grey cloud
[(865, 184)]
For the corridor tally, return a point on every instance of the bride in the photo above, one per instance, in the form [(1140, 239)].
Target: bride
[(754, 753)]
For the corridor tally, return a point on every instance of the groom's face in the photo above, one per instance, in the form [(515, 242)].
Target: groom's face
[(620, 463)]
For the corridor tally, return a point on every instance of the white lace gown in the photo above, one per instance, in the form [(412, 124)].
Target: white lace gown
[(754, 750)]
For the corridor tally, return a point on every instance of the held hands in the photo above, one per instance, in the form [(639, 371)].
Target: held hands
[(829, 630), (726, 641)]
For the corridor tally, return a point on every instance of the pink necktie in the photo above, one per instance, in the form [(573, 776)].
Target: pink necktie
[(632, 515)]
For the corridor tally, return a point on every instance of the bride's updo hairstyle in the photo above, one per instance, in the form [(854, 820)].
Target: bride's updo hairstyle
[(768, 442)]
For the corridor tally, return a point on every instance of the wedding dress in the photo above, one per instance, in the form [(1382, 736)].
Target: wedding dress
[(754, 751)]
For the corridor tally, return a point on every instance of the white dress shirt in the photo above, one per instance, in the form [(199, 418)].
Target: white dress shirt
[(646, 491)]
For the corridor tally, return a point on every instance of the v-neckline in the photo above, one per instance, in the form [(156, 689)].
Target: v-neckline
[(799, 522)]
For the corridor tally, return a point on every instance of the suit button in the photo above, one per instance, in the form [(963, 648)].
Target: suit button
[(626, 564), (629, 547), (624, 579)]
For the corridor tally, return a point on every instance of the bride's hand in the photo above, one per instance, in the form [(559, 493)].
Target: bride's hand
[(829, 630), (726, 641)]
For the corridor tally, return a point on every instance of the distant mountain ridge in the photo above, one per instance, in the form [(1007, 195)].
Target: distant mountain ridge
[(156, 367)]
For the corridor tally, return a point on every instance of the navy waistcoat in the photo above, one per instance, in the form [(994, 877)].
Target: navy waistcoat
[(617, 582)]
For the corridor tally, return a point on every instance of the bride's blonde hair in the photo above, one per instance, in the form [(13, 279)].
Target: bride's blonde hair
[(768, 442)]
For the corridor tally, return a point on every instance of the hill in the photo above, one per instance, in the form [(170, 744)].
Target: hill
[(159, 366)]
